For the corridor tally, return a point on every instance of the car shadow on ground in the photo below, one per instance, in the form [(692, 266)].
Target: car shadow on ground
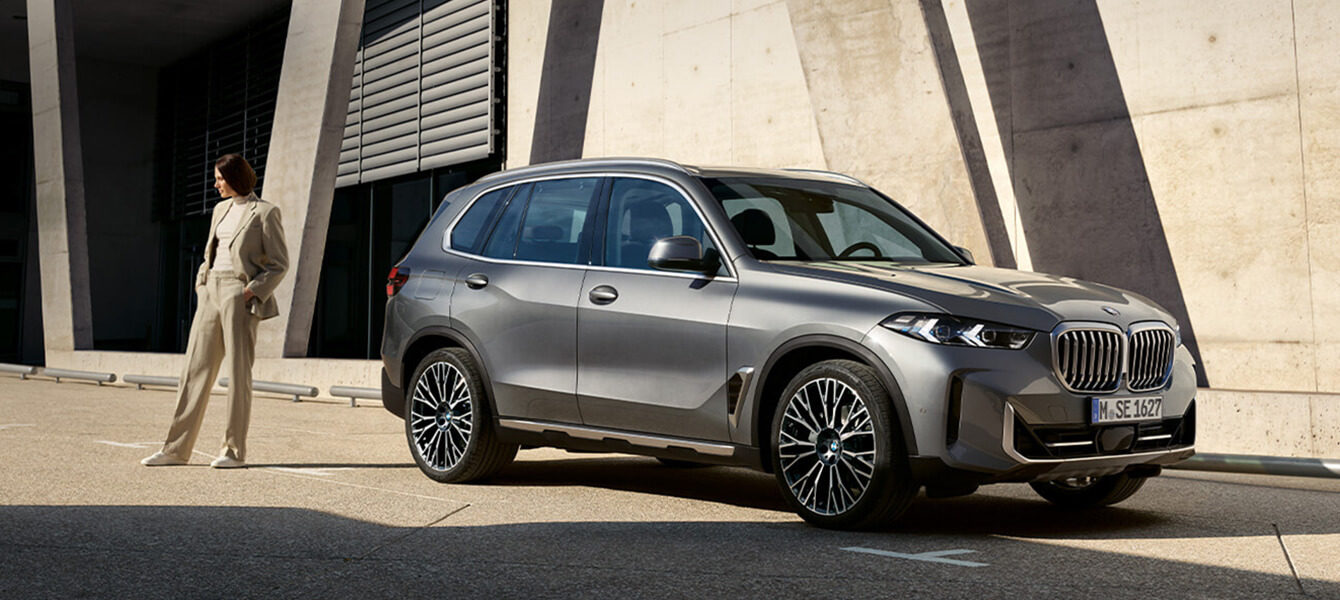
[(232, 551), (969, 515)]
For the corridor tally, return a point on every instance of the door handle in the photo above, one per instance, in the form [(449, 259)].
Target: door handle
[(604, 294), (475, 281)]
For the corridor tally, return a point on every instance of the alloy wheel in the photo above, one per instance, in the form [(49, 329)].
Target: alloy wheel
[(826, 446), (441, 413)]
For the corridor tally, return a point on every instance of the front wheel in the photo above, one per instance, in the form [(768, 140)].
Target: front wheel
[(447, 420), (1089, 492), (838, 452)]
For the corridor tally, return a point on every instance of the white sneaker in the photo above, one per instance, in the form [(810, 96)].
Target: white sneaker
[(160, 459), (227, 462)]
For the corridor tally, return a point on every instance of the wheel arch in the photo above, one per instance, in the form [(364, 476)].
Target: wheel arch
[(437, 337), (793, 356)]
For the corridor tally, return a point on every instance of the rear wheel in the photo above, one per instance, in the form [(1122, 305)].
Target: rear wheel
[(838, 452), (1089, 492), (447, 420)]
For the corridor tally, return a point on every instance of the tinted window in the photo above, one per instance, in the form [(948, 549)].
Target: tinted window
[(795, 219), (554, 226), (643, 211), (502, 242), (466, 235)]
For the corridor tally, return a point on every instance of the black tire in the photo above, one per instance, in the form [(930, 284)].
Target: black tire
[(454, 443), (1089, 492), (847, 448), (675, 463)]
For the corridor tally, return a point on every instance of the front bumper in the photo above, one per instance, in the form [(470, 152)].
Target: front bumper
[(990, 415)]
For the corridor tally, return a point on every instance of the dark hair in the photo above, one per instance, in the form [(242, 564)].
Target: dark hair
[(237, 172)]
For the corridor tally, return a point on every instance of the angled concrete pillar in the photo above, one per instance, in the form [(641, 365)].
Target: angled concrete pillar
[(882, 111), (304, 153), (67, 322)]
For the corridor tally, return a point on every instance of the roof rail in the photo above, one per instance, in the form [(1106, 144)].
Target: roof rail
[(833, 174), (692, 170)]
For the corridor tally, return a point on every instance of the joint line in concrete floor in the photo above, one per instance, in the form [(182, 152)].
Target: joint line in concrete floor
[(411, 532), (317, 592), (1292, 569)]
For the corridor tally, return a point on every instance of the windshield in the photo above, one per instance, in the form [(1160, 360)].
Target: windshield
[(792, 219)]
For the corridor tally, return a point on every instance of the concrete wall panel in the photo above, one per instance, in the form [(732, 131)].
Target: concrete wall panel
[(881, 109), (1254, 423), (1326, 426), (527, 33), (1228, 183), (1185, 53), (772, 118), (1318, 43), (631, 107), (698, 93)]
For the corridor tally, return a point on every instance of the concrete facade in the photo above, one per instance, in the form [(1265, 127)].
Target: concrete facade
[(67, 320), (1187, 154), (304, 156)]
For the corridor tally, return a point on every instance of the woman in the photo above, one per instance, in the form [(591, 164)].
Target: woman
[(245, 257)]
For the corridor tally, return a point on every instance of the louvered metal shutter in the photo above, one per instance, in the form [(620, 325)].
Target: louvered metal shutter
[(217, 101), (422, 94)]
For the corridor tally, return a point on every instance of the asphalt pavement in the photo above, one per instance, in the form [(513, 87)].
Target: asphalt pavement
[(332, 506)]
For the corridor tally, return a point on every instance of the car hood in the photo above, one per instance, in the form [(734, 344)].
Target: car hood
[(1023, 298)]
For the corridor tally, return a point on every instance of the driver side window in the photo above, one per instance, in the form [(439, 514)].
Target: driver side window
[(640, 213)]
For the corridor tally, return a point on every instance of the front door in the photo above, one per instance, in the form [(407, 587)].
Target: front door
[(651, 352)]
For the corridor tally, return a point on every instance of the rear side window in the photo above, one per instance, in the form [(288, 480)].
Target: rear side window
[(467, 234), (556, 224), (502, 243)]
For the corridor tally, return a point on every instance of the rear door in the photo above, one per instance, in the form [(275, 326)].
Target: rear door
[(516, 297)]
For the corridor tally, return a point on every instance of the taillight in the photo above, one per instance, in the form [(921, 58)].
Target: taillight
[(396, 280)]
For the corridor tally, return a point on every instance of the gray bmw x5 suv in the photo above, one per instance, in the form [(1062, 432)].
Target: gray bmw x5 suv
[(796, 322)]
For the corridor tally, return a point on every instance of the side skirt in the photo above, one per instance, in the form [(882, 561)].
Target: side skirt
[(594, 439)]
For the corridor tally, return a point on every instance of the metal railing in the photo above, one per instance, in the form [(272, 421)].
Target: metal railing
[(142, 380), (23, 371), (354, 393), (297, 391), (94, 376)]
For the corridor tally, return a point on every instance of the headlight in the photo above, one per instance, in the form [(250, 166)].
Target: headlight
[(955, 331)]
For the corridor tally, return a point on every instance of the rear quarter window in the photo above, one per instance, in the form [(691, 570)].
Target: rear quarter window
[(468, 233)]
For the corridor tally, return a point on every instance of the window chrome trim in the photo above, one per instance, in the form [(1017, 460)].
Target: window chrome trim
[(707, 225), (1088, 326)]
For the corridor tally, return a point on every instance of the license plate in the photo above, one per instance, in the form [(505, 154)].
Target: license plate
[(1125, 410)]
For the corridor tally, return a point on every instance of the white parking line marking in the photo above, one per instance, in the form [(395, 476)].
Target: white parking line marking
[(935, 557), (13, 425), (320, 472), (137, 445)]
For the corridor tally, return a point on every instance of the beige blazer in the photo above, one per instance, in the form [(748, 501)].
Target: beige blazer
[(260, 254)]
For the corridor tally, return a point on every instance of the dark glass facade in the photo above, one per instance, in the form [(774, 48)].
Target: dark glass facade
[(371, 228)]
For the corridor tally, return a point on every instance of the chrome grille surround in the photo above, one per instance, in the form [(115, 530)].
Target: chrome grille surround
[(1089, 357), (1092, 357), (1151, 345)]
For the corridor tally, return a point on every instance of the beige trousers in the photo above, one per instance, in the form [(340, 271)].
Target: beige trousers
[(222, 327)]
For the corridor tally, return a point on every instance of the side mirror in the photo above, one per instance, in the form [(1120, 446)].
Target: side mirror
[(680, 253), (966, 253)]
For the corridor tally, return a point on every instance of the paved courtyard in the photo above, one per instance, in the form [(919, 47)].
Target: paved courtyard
[(333, 507)]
